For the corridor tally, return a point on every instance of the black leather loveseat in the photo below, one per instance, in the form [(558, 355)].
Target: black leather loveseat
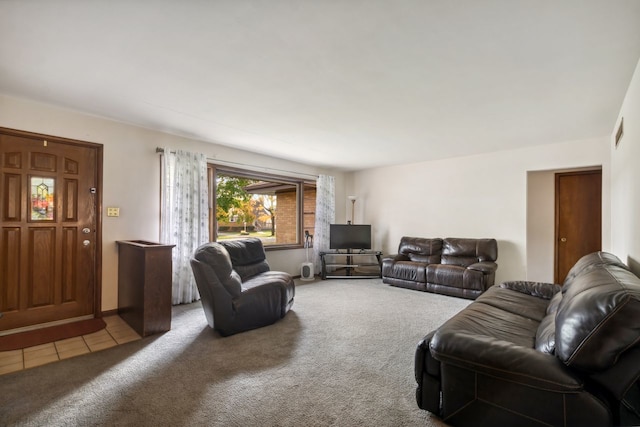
[(453, 266), (239, 291), (533, 354)]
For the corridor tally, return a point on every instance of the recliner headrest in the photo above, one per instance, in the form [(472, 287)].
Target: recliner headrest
[(245, 251)]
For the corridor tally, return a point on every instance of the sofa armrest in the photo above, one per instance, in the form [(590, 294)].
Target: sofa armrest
[(422, 361), (484, 266), (536, 289), (503, 360)]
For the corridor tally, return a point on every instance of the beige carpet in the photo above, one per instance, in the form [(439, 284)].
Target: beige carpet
[(342, 357)]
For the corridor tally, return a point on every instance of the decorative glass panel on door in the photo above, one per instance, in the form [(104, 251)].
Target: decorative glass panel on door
[(42, 198)]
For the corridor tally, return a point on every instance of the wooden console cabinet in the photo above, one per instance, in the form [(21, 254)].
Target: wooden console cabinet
[(144, 285)]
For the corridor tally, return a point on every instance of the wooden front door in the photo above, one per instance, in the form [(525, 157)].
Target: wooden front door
[(49, 229), (578, 218)]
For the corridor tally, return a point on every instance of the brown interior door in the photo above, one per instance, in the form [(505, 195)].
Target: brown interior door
[(578, 218), (48, 230)]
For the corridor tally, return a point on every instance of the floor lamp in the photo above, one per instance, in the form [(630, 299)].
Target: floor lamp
[(353, 207)]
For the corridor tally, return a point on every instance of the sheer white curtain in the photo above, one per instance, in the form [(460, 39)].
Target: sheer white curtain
[(184, 217), (325, 215)]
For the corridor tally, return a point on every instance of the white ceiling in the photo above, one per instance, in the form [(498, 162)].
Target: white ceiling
[(350, 84)]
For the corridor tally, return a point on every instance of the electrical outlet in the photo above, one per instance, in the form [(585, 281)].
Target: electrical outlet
[(113, 211)]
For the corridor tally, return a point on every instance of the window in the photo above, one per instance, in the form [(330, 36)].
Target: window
[(276, 209), (42, 198)]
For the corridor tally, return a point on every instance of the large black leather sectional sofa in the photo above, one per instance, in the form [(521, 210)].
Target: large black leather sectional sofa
[(533, 354), (452, 266)]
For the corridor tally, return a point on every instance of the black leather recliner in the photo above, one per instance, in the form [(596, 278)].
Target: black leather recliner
[(531, 354), (239, 292)]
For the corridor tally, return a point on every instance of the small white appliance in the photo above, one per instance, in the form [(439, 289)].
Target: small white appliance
[(306, 271)]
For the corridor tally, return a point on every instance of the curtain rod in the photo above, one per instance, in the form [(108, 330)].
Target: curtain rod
[(161, 151)]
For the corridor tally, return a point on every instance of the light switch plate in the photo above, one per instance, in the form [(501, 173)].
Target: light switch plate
[(113, 211)]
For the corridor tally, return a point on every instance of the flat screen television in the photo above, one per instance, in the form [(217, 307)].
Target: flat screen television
[(349, 236)]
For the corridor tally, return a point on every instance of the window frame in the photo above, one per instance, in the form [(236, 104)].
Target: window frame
[(214, 169)]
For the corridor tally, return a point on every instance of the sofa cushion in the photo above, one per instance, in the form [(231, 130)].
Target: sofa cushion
[(523, 304), (248, 271), (279, 279), (460, 261), (464, 252), (546, 333), (450, 275), (480, 319), (552, 308), (408, 270), (425, 259), (420, 249), (247, 256), (598, 317), (456, 276)]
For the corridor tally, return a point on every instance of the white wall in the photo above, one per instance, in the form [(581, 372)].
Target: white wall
[(132, 176), (625, 179), (475, 196), (540, 225)]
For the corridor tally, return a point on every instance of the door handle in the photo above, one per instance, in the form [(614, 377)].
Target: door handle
[(563, 239), (86, 242)]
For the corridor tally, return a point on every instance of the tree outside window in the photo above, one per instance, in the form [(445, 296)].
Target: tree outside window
[(275, 209)]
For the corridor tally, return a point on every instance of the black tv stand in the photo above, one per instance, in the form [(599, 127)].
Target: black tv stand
[(332, 260)]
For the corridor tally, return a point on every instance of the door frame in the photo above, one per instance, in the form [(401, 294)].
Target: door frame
[(556, 244), (99, 148)]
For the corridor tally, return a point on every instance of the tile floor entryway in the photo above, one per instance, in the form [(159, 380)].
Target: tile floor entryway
[(116, 332)]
